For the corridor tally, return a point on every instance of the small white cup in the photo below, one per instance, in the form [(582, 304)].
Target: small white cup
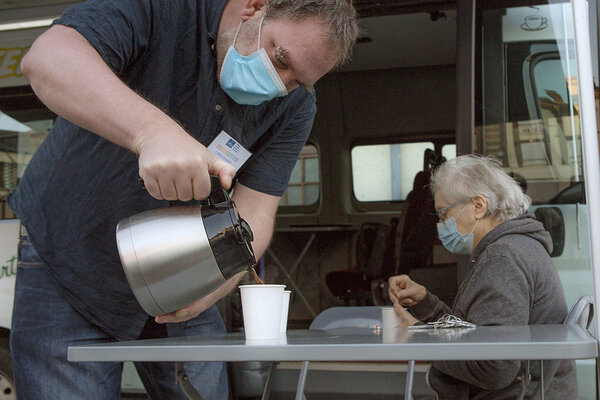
[(285, 306), (281, 340), (390, 334), (389, 318), (261, 307)]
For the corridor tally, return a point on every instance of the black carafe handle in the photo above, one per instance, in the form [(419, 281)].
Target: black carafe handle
[(218, 195)]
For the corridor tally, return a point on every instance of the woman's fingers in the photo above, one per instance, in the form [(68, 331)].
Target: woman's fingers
[(407, 318)]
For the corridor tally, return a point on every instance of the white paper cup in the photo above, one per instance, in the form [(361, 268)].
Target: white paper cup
[(389, 335), (281, 340), (389, 318), (285, 305), (261, 307)]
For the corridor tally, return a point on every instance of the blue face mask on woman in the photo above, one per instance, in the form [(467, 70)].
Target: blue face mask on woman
[(452, 239), (252, 79)]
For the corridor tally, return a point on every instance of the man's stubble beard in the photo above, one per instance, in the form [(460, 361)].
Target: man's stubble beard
[(223, 42)]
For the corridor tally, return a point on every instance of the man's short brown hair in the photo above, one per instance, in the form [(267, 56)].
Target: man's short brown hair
[(338, 15)]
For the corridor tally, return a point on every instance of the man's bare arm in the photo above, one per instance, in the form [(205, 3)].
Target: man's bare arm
[(259, 210), (71, 78)]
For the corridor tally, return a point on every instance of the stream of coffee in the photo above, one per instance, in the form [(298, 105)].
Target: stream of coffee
[(256, 277)]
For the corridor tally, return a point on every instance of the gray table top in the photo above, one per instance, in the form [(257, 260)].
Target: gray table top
[(533, 342)]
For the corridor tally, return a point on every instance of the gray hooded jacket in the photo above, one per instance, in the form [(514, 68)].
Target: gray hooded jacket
[(512, 281)]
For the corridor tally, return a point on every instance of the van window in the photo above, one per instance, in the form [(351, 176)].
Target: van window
[(394, 165), (303, 186), (530, 111), (449, 151)]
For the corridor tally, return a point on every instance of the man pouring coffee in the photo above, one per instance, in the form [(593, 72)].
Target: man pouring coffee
[(171, 92)]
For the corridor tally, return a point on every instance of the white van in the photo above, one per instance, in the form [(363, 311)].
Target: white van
[(499, 79)]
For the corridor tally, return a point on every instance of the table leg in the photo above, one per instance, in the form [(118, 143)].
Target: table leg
[(409, 380), (183, 381), (267, 390), (542, 379), (302, 381), (525, 379)]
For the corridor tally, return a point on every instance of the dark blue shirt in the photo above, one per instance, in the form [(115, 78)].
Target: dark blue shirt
[(78, 186)]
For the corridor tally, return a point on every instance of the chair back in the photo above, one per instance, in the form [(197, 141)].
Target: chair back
[(348, 317), (582, 312), (418, 200), (374, 265)]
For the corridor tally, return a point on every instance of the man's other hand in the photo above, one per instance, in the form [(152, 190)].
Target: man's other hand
[(194, 309)]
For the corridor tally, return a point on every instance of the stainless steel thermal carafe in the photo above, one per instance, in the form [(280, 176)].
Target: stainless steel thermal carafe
[(173, 256)]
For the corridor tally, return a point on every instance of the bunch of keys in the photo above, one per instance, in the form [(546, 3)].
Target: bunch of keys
[(446, 321), (451, 321)]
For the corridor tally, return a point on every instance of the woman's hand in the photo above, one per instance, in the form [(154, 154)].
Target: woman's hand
[(407, 318), (405, 292)]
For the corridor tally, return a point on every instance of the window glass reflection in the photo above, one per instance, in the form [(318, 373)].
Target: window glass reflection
[(303, 186)]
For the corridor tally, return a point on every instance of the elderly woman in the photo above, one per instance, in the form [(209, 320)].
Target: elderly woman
[(511, 279)]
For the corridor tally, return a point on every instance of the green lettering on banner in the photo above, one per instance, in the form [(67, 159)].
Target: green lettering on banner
[(10, 61), (9, 269)]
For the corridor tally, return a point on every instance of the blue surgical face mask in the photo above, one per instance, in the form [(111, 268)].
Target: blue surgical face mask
[(452, 239), (251, 79)]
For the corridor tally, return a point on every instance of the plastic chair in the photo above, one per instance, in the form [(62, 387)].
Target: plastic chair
[(349, 317), (581, 313)]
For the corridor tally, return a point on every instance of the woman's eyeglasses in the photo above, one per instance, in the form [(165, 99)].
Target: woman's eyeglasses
[(441, 213)]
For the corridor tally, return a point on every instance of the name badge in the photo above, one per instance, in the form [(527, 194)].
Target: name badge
[(228, 149)]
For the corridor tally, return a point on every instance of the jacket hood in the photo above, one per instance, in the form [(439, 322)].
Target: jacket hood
[(525, 224)]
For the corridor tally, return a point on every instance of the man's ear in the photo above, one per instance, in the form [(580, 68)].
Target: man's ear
[(480, 206), (251, 7)]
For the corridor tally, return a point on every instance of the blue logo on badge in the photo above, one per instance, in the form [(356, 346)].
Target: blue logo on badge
[(230, 143)]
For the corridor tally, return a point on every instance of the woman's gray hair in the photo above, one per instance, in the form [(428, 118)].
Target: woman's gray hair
[(338, 15), (467, 176)]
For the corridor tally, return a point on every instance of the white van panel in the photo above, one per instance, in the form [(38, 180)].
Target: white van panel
[(9, 234), (13, 46)]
